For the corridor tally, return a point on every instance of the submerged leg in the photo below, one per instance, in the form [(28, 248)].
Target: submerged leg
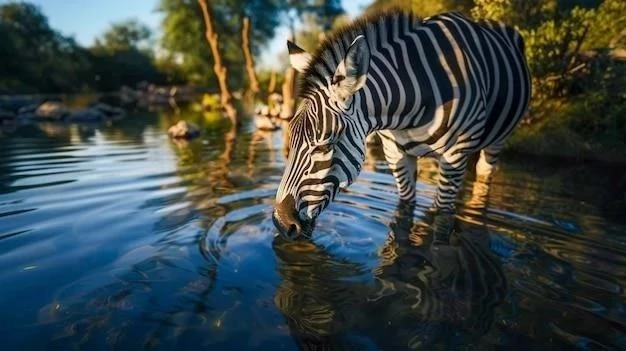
[(451, 171), (403, 167), (487, 162), (485, 167)]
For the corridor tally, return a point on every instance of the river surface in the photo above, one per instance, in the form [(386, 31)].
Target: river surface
[(117, 238)]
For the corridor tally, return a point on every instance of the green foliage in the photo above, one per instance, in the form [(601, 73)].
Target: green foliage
[(183, 35), (422, 8), (118, 59), (264, 77), (519, 13), (124, 36), (579, 86), (37, 59), (322, 12), (183, 31), (578, 104), (34, 57), (555, 32), (592, 126)]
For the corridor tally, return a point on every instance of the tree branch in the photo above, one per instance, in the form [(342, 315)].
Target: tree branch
[(245, 45), (220, 70)]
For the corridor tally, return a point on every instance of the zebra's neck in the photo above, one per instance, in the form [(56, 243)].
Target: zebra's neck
[(395, 95)]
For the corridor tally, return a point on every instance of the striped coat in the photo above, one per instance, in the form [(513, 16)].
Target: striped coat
[(445, 86)]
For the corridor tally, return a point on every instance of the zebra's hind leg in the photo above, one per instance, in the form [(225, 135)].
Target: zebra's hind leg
[(403, 167), (485, 167), (487, 162), (451, 171)]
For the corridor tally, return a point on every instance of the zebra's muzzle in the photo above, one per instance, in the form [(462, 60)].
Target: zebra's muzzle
[(290, 230), (286, 219), (289, 224)]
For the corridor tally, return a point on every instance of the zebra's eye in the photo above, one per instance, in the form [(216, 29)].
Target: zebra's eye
[(323, 149)]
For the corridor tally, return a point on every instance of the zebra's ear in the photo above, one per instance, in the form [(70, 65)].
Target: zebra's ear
[(298, 58), (351, 72)]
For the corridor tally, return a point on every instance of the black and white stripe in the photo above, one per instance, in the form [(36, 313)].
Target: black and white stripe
[(446, 86)]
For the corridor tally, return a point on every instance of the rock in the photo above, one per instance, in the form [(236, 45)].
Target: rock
[(265, 123), (52, 110), (265, 111), (109, 111), (6, 115), (275, 111), (86, 115), (14, 103), (275, 98), (26, 118), (237, 95), (184, 129), (27, 109)]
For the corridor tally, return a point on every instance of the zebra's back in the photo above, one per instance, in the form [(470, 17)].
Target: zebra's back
[(469, 79)]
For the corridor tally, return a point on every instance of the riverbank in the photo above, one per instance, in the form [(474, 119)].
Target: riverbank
[(590, 128)]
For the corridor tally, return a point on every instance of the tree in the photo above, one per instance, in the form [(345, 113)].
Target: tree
[(36, 58), (557, 32), (183, 35), (118, 58), (318, 17), (245, 47), (124, 35), (422, 8), (220, 70)]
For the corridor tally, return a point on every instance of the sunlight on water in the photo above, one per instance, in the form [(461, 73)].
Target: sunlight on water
[(118, 236)]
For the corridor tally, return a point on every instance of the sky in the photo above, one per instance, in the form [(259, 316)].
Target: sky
[(87, 19)]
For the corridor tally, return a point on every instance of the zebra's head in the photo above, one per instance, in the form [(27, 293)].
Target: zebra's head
[(327, 134)]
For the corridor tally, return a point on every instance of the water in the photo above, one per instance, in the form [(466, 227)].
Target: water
[(115, 237)]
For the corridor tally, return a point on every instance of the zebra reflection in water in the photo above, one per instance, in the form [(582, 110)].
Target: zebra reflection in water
[(438, 284)]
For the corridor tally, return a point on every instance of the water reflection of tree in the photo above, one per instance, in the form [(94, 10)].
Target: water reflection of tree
[(205, 165), (260, 137), (132, 129), (209, 179)]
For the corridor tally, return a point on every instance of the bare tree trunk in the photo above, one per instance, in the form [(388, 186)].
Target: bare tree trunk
[(272, 85), (271, 88), (289, 85), (220, 71), (245, 45), (288, 93)]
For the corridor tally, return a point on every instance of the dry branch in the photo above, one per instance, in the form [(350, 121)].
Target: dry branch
[(272, 84), (249, 59), (288, 93), (220, 70)]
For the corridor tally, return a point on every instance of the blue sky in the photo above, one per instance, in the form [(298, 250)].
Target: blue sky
[(86, 19)]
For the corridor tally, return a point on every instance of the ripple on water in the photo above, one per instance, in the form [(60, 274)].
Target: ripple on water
[(139, 242)]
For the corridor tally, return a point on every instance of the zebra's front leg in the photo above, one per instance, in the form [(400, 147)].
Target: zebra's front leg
[(451, 171), (403, 167)]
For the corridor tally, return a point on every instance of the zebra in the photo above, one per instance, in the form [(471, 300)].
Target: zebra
[(446, 86)]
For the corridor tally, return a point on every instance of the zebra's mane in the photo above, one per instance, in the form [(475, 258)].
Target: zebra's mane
[(325, 59)]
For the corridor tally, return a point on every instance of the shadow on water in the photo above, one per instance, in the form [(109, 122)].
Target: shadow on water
[(437, 283), (115, 236)]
